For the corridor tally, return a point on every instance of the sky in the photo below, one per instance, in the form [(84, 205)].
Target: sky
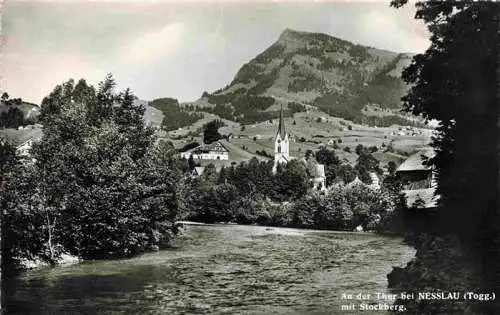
[(176, 49)]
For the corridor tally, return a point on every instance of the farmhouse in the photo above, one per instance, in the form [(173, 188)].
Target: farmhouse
[(213, 151), (418, 180)]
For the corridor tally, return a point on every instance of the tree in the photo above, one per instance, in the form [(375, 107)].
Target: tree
[(346, 173), (327, 157), (331, 162), (8, 159), (211, 132), (291, 181), (360, 149), (391, 168), (366, 163), (101, 187), (391, 181), (308, 154), (12, 118), (456, 82), (192, 164)]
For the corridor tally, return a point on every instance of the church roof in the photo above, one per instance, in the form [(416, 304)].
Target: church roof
[(281, 126)]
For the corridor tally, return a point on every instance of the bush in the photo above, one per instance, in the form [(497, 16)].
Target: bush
[(344, 209)]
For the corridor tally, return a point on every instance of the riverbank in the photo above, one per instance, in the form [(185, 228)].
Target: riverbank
[(441, 264), (63, 260), (67, 259)]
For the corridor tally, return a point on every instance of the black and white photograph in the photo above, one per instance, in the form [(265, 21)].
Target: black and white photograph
[(291, 157)]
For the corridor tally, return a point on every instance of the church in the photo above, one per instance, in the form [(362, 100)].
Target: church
[(282, 156)]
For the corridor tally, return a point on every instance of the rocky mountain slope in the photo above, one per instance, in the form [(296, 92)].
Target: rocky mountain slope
[(300, 69)]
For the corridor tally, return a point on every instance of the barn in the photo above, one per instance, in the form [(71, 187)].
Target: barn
[(418, 179)]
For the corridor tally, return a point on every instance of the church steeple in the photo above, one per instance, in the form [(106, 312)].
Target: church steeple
[(281, 144), (281, 125)]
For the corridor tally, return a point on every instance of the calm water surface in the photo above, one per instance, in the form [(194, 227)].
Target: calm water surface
[(220, 269)]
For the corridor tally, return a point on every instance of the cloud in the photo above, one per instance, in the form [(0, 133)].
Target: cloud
[(155, 44), (26, 74), (398, 32), (176, 49)]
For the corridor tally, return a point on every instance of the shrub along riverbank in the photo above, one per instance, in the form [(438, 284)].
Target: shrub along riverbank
[(340, 208)]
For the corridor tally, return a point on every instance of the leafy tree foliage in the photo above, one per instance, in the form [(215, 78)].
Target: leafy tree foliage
[(211, 131), (456, 82), (250, 193), (366, 163), (335, 170), (24, 228), (291, 181), (344, 208), (99, 187)]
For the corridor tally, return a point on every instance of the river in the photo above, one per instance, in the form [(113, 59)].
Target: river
[(220, 269)]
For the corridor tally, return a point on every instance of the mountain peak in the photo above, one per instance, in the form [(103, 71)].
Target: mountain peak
[(335, 75), (289, 34)]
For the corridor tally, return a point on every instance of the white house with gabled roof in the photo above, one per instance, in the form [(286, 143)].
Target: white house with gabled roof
[(212, 151)]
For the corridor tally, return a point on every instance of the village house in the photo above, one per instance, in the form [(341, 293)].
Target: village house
[(418, 180), (213, 151), (317, 173)]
